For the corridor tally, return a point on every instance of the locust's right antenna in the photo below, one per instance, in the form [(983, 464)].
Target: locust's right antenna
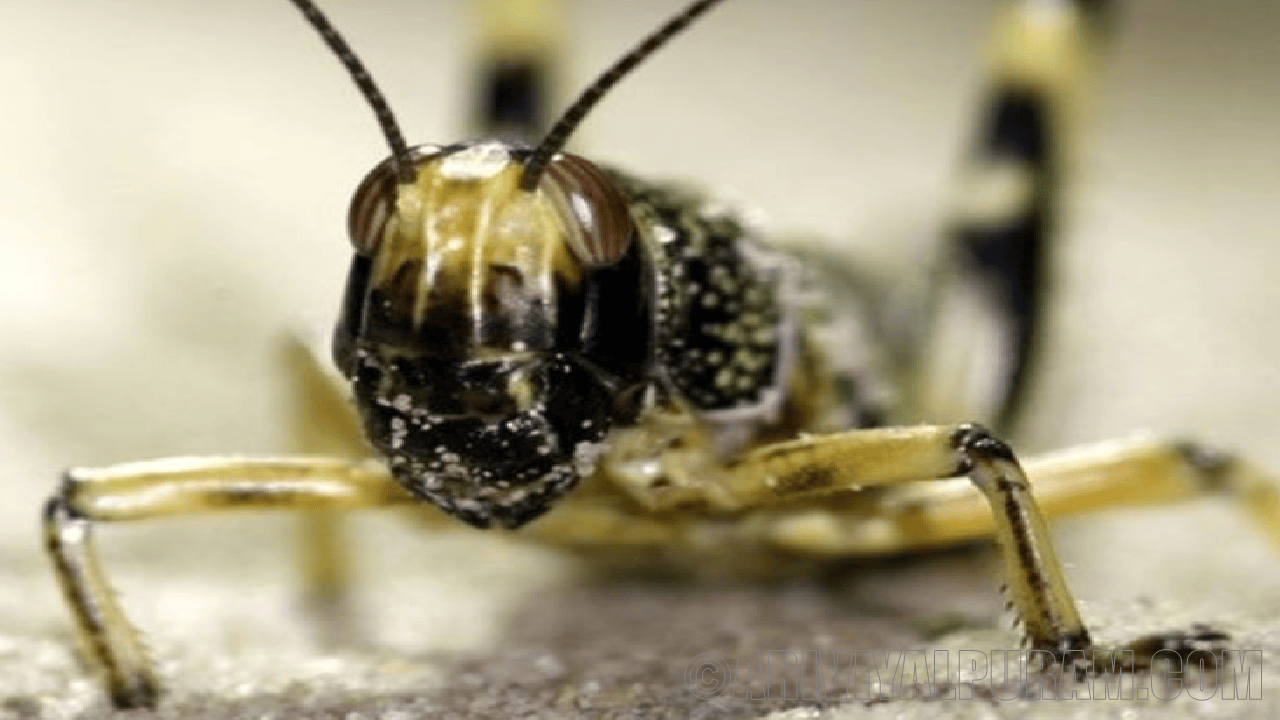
[(564, 127), (401, 161)]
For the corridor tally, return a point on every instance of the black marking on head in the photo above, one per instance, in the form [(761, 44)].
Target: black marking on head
[(610, 321), (492, 442), (351, 315)]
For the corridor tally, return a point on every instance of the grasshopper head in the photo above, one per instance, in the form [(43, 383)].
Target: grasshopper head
[(489, 331), (498, 312)]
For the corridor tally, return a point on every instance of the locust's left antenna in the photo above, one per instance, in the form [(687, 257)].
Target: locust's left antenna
[(401, 161), (559, 134)]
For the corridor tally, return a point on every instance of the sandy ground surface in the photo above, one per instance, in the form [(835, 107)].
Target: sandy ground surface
[(173, 182)]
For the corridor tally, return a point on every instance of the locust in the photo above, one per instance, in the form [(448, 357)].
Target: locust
[(534, 343)]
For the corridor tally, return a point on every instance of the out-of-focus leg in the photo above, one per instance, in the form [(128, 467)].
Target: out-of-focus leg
[(987, 304)]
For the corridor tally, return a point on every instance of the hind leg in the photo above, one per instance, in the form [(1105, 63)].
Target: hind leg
[(985, 312), (518, 68)]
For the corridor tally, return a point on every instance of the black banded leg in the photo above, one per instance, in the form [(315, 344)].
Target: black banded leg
[(179, 486), (987, 307), (914, 516), (1080, 480), (1037, 584), (517, 68), (1256, 492), (779, 473)]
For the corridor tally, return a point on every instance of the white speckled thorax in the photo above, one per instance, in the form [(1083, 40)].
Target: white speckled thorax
[(752, 339)]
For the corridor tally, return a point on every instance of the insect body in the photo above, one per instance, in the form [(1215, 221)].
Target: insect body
[(495, 341), (534, 341)]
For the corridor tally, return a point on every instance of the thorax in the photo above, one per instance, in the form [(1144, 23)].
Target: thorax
[(751, 345)]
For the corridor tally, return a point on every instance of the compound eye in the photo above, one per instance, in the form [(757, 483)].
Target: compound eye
[(592, 207), (375, 201)]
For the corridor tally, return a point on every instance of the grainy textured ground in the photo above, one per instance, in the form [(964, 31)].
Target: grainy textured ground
[(173, 182)]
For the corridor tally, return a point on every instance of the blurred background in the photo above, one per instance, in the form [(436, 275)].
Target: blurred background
[(174, 178)]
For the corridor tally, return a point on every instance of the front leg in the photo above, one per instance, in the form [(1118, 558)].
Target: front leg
[(138, 491), (1038, 590)]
